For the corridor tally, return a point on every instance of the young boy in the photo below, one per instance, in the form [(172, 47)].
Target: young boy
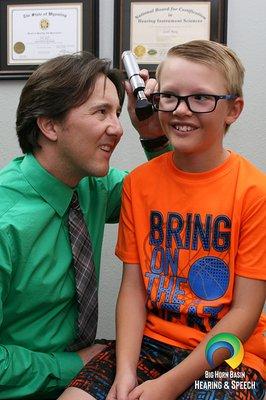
[(192, 239)]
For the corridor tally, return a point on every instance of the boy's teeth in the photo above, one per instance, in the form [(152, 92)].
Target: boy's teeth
[(184, 128)]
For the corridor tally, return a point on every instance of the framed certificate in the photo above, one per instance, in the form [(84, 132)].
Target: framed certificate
[(32, 32), (150, 28)]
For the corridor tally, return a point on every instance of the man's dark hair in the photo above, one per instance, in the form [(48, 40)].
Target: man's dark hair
[(57, 86)]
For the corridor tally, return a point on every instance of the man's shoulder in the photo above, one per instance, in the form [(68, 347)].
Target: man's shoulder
[(13, 186), (97, 185), (10, 168)]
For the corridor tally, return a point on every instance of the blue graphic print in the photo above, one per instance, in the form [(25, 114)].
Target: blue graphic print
[(208, 278), (185, 274)]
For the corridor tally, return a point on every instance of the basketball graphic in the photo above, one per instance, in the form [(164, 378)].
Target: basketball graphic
[(208, 278)]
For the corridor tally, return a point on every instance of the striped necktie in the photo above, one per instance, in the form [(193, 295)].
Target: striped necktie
[(86, 283)]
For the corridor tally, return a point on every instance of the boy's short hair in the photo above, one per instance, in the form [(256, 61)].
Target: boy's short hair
[(57, 86), (214, 55)]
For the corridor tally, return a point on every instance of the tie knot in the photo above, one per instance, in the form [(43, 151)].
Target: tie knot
[(74, 204)]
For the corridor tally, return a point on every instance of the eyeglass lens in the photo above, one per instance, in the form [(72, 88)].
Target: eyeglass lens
[(196, 103)]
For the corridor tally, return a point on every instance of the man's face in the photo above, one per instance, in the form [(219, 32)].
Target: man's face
[(195, 137), (89, 134)]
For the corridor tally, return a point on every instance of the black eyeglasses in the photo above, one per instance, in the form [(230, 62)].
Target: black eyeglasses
[(196, 103)]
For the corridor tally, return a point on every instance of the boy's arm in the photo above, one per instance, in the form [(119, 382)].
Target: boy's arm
[(130, 321), (241, 320)]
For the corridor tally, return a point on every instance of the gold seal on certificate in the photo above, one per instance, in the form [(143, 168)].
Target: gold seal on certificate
[(44, 24), (19, 47), (139, 50)]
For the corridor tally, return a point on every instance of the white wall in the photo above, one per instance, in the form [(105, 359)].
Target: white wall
[(246, 35)]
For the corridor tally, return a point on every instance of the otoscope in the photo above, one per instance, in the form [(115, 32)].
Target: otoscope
[(143, 107)]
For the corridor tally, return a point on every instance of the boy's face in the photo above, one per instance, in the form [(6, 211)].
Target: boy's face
[(197, 138)]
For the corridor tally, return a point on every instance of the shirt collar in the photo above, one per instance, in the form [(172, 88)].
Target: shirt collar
[(51, 189)]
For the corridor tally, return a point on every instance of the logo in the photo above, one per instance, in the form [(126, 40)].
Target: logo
[(226, 341)]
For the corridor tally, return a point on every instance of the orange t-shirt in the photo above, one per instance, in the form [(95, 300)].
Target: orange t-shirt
[(191, 233)]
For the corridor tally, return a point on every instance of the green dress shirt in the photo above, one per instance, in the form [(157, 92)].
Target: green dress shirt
[(37, 290), (38, 310)]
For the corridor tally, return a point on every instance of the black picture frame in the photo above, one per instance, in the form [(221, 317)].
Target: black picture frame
[(90, 33), (122, 26)]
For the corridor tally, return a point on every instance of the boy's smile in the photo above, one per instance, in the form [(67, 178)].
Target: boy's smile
[(184, 128), (197, 138)]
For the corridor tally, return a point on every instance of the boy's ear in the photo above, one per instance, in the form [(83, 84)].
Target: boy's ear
[(48, 127), (235, 110)]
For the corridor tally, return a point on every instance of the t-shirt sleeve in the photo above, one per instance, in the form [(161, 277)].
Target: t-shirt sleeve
[(126, 247), (251, 254)]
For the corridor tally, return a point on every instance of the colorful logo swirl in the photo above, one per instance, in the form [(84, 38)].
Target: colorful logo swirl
[(226, 341)]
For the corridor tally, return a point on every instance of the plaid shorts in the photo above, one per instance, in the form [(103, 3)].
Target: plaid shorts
[(156, 358)]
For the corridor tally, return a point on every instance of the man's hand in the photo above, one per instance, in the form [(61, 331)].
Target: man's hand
[(122, 386), (149, 128), (89, 352)]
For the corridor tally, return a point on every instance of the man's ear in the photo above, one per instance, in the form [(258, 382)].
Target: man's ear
[(48, 127), (234, 111)]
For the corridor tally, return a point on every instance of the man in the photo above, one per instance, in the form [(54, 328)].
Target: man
[(68, 127)]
